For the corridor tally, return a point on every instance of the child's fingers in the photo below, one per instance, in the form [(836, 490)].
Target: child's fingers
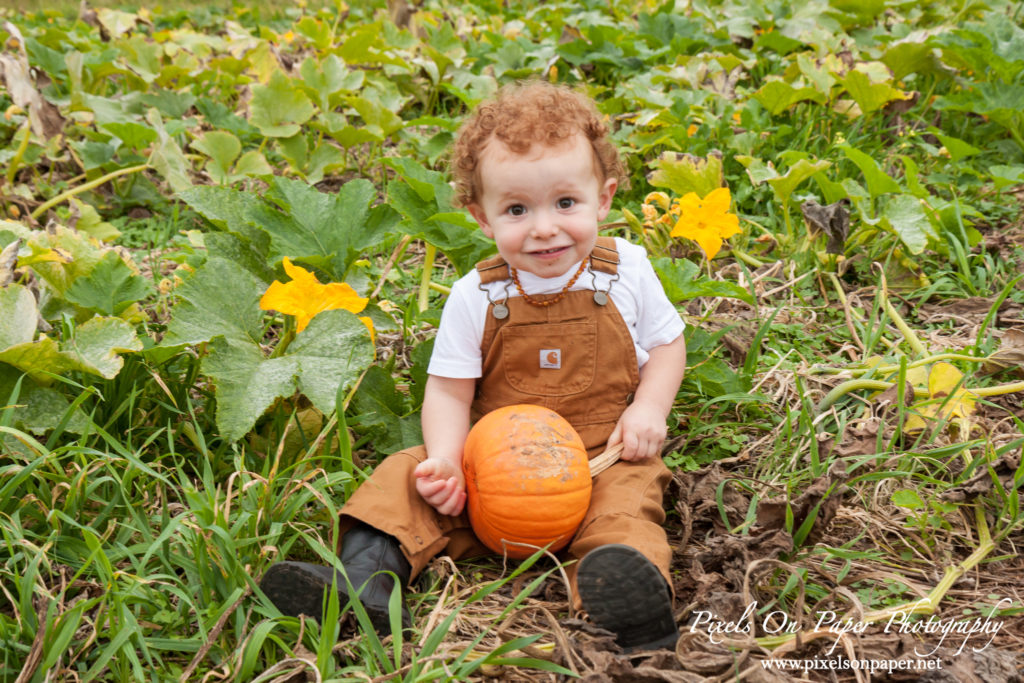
[(455, 502), (460, 503), (425, 470), (615, 437), (430, 489)]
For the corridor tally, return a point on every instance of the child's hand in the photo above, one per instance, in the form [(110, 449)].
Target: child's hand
[(441, 484), (642, 430)]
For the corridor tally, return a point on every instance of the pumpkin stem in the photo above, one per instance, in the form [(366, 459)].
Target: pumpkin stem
[(605, 460)]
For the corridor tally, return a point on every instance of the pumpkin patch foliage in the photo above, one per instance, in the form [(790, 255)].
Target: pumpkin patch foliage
[(227, 231)]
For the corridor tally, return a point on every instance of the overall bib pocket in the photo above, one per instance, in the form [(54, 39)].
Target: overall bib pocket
[(554, 360)]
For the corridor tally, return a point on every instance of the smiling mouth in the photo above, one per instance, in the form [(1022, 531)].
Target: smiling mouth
[(544, 252)]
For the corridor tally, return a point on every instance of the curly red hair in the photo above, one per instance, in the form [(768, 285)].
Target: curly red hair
[(524, 114)]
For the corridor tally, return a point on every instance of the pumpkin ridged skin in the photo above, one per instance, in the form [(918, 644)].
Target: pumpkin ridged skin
[(527, 479)]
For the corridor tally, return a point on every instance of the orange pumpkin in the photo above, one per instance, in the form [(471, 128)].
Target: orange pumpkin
[(527, 479)]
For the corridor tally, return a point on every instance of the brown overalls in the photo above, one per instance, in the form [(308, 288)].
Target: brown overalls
[(575, 357)]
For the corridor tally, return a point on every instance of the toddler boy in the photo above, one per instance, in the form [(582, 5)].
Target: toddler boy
[(561, 318)]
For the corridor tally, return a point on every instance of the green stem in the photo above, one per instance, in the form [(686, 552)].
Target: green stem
[(856, 385), (287, 336), (64, 196), (881, 385), (747, 258), (901, 324), (428, 269), (856, 372), (26, 135), (999, 389)]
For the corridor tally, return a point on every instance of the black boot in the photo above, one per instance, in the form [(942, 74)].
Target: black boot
[(298, 587), (625, 593)]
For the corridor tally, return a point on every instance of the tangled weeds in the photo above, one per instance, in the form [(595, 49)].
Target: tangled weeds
[(721, 568)]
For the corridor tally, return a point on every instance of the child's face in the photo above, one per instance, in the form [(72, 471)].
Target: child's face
[(542, 208)]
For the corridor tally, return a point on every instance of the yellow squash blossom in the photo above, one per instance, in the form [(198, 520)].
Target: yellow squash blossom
[(305, 296), (657, 199), (707, 221), (650, 213)]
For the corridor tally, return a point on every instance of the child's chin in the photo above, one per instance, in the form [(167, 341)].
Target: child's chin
[(547, 271)]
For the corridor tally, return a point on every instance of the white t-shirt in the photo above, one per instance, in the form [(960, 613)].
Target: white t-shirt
[(651, 318)]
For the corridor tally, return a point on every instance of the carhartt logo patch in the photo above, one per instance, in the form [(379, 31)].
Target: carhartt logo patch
[(551, 358)]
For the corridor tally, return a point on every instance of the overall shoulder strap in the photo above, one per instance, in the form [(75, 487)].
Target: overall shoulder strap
[(493, 269), (605, 257)]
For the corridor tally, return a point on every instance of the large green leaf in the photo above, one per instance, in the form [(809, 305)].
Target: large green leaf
[(683, 173), (905, 58), (329, 231), (332, 352), (329, 80), (1001, 102), (878, 181), (778, 96), (378, 119), (220, 299), (77, 256), (167, 157), (367, 45), (905, 215), (229, 209), (995, 48), (247, 384), (40, 359), (18, 316), (870, 96), (279, 108), (132, 133), (223, 148), (37, 408), (94, 348), (236, 248), (683, 281), (758, 170), (110, 288), (424, 198), (384, 412), (90, 222), (785, 185)]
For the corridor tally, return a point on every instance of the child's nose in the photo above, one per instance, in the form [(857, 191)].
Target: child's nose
[(544, 226)]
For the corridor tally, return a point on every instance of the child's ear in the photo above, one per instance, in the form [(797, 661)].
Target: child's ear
[(477, 212), (605, 196)]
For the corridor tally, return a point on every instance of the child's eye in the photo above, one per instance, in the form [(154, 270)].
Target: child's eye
[(566, 203), (516, 210)]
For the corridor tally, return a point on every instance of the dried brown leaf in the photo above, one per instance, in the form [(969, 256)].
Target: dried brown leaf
[(971, 311), (824, 494), (980, 483), (44, 118), (8, 261), (861, 437), (1010, 353), (610, 668), (699, 491), (736, 552), (832, 220)]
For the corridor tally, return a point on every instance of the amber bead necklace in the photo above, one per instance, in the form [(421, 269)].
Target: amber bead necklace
[(561, 295)]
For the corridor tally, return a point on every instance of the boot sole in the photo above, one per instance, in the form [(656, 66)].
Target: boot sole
[(298, 588), (623, 592)]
